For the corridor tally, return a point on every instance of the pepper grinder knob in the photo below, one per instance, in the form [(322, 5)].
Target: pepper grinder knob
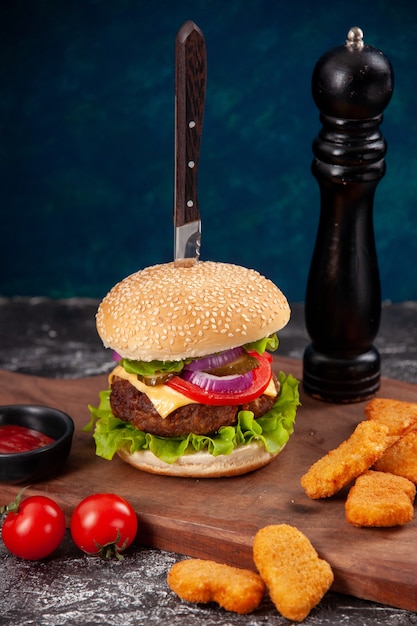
[(351, 85)]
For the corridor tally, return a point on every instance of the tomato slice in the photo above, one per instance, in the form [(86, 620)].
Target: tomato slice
[(261, 377)]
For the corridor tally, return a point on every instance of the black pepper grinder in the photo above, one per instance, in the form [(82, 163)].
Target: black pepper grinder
[(351, 85)]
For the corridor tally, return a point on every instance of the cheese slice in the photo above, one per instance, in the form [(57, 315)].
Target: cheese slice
[(165, 399), (271, 389)]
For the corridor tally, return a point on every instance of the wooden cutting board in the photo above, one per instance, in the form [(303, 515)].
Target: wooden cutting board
[(218, 518)]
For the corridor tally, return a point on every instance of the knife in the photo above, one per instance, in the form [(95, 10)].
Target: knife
[(190, 91)]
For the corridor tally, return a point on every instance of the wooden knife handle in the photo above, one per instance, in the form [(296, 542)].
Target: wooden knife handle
[(190, 91)]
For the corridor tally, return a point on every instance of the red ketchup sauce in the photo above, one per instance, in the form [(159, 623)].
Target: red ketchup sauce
[(15, 439)]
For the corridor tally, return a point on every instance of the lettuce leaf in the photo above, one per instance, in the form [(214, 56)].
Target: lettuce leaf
[(268, 343), (273, 429), (150, 368)]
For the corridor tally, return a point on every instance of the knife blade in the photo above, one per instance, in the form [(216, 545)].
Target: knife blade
[(190, 91)]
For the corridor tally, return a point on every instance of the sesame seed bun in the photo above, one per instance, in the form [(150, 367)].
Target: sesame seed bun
[(242, 460), (169, 313)]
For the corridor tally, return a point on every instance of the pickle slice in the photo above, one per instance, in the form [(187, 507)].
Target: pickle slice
[(243, 364), (157, 378)]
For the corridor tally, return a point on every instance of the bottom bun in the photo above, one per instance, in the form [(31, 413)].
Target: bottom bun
[(203, 464)]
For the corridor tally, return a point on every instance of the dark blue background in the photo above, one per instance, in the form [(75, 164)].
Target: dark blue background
[(86, 146)]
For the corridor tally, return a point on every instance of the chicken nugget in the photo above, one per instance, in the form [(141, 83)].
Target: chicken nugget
[(351, 458), (401, 458), (380, 499), (234, 589), (296, 577), (398, 415)]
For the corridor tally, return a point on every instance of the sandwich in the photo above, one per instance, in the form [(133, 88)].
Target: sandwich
[(193, 392)]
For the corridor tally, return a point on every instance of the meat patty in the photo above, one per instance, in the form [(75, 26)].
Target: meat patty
[(133, 406)]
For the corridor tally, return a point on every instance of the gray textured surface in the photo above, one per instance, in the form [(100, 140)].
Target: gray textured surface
[(72, 589), (58, 339)]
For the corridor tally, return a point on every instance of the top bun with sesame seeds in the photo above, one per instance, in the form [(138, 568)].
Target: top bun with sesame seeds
[(193, 393), (168, 312)]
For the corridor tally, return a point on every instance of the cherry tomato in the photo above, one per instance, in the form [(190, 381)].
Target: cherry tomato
[(34, 528), (103, 524), (261, 377)]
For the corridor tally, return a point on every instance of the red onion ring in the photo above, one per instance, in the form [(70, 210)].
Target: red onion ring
[(209, 382), (214, 360)]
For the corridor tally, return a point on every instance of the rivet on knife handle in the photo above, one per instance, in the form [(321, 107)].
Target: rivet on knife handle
[(190, 89)]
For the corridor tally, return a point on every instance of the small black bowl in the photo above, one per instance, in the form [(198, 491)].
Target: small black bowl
[(35, 465)]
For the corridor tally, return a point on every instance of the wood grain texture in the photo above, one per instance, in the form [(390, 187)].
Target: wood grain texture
[(190, 92), (218, 518)]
